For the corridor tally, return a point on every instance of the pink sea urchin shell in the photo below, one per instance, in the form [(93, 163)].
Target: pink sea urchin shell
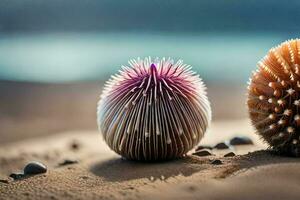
[(153, 110), (274, 98)]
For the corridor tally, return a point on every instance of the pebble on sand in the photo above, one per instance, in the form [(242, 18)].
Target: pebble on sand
[(67, 162), (221, 145), (203, 153), (200, 147), (230, 154), (35, 168), (16, 176), (216, 162), (3, 181), (75, 145), (241, 140)]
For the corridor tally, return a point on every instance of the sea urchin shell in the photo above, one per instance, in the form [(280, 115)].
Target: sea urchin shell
[(274, 98), (153, 110)]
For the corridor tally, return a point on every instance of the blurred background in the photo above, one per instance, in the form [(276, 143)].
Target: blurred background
[(55, 55)]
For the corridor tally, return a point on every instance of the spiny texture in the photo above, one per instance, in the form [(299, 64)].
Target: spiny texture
[(274, 98), (153, 110)]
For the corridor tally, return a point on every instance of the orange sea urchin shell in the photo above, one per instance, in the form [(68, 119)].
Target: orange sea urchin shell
[(274, 98), (153, 110)]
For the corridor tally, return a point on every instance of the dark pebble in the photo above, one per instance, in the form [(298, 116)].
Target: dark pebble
[(68, 162), (192, 188), (3, 181), (202, 153), (216, 162), (35, 168), (200, 147), (75, 145), (221, 145), (241, 140), (16, 176), (84, 177), (230, 154), (26, 194)]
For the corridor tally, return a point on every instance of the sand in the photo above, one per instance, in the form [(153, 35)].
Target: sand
[(101, 174), (50, 123)]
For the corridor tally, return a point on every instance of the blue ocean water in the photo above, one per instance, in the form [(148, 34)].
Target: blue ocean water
[(64, 57)]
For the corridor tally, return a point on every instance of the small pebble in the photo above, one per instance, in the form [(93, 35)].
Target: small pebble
[(84, 177), (192, 188), (221, 145), (16, 176), (26, 193), (3, 181), (52, 197), (216, 162), (35, 168), (67, 162), (243, 140), (230, 154), (75, 145), (203, 153), (200, 147)]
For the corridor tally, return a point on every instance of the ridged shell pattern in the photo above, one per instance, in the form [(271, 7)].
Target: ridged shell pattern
[(274, 98), (153, 110)]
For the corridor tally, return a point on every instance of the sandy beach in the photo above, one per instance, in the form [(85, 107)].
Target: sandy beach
[(177, 73), (99, 173)]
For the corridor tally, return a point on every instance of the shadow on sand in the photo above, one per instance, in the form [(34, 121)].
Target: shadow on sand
[(119, 169), (261, 158)]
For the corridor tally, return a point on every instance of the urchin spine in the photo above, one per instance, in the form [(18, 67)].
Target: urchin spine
[(274, 98), (153, 110)]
